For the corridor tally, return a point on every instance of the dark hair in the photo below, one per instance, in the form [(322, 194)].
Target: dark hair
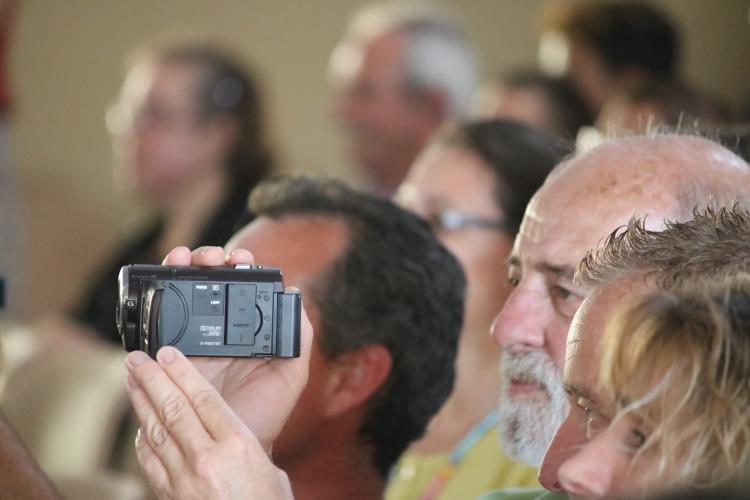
[(394, 285), (227, 89), (520, 157), (679, 103), (568, 110), (625, 35)]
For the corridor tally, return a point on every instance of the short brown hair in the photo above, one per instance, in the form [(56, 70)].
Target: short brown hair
[(715, 243)]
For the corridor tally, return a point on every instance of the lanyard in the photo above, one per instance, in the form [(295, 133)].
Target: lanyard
[(458, 454)]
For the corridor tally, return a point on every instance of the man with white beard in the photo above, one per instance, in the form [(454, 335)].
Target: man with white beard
[(582, 201)]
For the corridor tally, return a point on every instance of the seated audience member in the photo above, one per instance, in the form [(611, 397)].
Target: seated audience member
[(675, 394), (386, 301), (401, 71), (545, 102), (670, 406), (612, 47), (662, 176), (472, 185), (672, 104), (189, 138)]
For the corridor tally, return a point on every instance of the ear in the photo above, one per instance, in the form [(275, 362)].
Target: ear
[(355, 376)]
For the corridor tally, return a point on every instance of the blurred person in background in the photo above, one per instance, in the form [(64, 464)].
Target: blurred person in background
[(189, 139), (472, 185), (608, 47), (400, 72), (549, 103), (20, 476), (10, 207), (672, 104)]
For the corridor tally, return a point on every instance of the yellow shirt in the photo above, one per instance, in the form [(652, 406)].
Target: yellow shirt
[(485, 467)]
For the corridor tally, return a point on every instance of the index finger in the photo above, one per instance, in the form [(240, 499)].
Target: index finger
[(217, 417), (179, 256)]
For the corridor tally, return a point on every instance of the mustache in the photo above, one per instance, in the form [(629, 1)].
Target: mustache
[(531, 367)]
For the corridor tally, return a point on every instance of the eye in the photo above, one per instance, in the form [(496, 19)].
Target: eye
[(565, 301), (634, 439), (595, 421)]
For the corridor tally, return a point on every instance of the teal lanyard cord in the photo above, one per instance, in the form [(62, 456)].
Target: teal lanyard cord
[(463, 447)]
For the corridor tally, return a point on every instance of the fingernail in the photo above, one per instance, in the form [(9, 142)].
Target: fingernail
[(205, 250), (165, 355), (136, 358), (138, 434), (132, 383)]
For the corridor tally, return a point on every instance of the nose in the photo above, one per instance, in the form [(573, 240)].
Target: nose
[(591, 471), (569, 437), (521, 323)]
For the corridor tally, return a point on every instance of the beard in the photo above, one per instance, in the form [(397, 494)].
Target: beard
[(528, 422)]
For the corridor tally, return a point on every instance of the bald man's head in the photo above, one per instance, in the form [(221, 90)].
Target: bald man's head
[(663, 176), (583, 200)]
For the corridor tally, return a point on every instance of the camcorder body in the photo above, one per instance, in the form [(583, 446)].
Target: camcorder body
[(239, 311)]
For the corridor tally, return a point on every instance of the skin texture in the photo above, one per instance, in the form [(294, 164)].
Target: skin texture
[(451, 178), (386, 125), (579, 204)]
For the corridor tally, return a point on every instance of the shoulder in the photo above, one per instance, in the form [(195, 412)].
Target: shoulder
[(522, 494)]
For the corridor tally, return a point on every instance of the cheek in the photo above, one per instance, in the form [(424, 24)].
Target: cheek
[(638, 477), (169, 158), (309, 409), (557, 336)]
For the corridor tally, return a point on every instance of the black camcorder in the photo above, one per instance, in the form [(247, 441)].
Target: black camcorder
[(239, 311)]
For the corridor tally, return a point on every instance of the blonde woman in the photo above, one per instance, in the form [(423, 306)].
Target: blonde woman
[(675, 373)]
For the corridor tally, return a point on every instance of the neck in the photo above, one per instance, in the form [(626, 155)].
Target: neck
[(189, 207), (336, 471), (475, 393)]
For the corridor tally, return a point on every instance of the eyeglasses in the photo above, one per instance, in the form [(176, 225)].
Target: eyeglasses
[(453, 220)]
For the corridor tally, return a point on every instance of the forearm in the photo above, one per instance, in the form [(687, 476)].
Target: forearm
[(20, 476)]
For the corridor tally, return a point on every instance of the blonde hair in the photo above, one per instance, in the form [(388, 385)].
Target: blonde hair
[(680, 362)]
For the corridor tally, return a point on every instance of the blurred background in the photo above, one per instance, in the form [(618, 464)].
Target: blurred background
[(67, 60)]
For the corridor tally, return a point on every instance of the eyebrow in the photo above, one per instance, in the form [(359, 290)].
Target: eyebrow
[(577, 390), (565, 272)]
